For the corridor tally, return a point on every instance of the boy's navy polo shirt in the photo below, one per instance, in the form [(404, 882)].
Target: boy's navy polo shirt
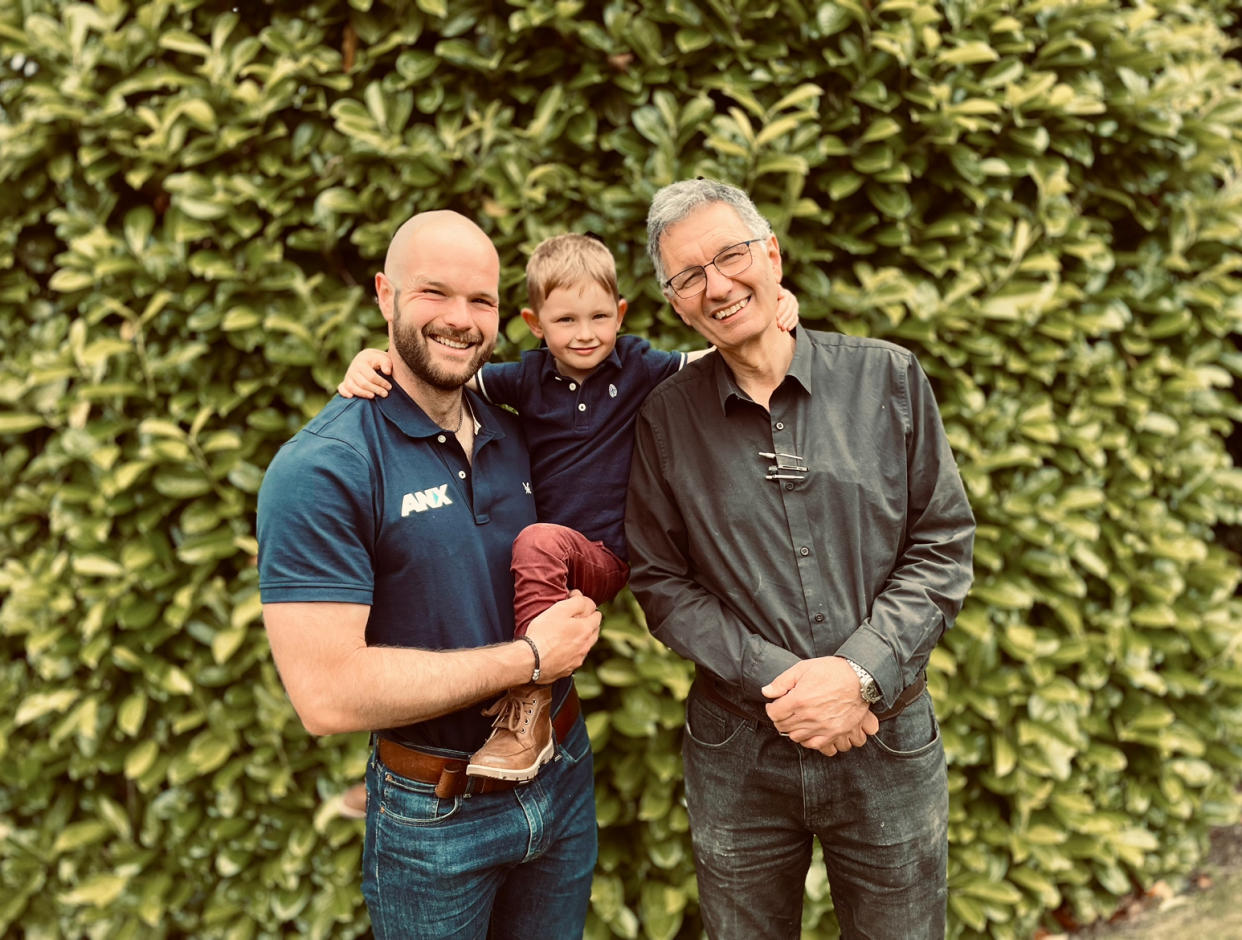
[(372, 503), (581, 434)]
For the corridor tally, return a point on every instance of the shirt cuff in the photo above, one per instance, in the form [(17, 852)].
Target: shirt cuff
[(764, 662), (873, 654)]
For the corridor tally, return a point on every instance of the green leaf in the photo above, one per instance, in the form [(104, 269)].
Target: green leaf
[(39, 704), (16, 423), (98, 890), (141, 758)]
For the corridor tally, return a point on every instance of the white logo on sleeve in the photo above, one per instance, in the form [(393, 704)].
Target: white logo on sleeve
[(432, 498), (526, 486)]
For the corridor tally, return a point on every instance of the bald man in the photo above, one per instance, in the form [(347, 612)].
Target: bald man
[(385, 528)]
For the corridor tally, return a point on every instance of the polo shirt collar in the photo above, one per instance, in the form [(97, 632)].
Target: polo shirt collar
[(403, 411), (799, 372)]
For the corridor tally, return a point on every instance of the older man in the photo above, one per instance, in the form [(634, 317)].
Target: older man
[(385, 529), (798, 528)]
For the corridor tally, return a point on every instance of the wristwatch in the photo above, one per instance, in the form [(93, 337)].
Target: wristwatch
[(870, 691)]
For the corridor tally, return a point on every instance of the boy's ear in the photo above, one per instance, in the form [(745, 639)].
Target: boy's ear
[(532, 321), (622, 306)]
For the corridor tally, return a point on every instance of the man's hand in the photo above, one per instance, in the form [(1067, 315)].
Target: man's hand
[(564, 633), (818, 703)]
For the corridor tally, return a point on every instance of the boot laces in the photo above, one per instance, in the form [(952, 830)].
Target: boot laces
[(511, 711)]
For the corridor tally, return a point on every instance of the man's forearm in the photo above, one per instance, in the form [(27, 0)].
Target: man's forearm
[(386, 687), (338, 684)]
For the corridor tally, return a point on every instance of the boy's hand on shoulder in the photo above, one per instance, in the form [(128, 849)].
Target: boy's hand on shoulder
[(786, 310), (363, 378)]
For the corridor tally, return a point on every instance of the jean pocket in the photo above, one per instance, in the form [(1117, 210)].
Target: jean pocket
[(709, 725), (576, 746), (412, 802), (912, 734)]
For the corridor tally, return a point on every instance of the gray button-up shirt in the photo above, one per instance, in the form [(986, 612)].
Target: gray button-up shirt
[(865, 553)]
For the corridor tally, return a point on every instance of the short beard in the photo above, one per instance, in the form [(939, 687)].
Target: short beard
[(411, 346)]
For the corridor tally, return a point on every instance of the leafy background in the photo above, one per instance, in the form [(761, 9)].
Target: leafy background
[(1040, 198)]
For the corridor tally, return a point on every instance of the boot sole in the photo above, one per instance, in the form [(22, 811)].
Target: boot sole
[(513, 773)]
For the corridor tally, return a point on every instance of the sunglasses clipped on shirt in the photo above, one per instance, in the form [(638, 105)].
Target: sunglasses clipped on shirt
[(728, 261)]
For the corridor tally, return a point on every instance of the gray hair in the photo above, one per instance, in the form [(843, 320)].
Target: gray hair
[(677, 200)]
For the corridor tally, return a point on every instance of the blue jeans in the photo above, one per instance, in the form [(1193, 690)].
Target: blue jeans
[(880, 812), (520, 859)]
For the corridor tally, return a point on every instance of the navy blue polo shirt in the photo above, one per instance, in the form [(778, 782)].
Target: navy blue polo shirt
[(372, 503), (581, 433)]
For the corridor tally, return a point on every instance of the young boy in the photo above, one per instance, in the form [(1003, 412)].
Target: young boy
[(577, 397)]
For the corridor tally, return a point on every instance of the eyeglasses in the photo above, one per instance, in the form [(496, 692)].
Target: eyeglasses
[(728, 261)]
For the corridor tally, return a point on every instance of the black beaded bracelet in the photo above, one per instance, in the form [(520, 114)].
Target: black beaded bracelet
[(534, 676)]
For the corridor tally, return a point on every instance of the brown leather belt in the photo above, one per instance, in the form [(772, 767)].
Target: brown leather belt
[(713, 690), (449, 773)]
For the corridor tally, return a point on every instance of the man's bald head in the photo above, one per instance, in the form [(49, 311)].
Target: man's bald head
[(439, 292), (438, 226)]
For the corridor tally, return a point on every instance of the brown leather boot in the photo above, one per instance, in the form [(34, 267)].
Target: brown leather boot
[(521, 741)]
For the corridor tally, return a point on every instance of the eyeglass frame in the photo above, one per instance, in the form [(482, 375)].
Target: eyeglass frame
[(668, 285)]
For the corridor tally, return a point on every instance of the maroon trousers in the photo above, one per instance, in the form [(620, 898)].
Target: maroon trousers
[(551, 560)]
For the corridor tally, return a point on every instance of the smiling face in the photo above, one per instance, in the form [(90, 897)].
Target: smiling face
[(440, 297), (579, 322), (731, 312)]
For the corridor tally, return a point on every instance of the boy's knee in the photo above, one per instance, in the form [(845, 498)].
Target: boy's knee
[(539, 538)]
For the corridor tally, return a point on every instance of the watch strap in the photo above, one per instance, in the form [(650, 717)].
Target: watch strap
[(866, 682)]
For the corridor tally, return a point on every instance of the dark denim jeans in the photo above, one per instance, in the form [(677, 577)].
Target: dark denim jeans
[(521, 860), (880, 812), (549, 560)]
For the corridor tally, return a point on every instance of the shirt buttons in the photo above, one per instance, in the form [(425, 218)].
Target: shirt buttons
[(573, 387), (804, 551), (789, 486), (819, 618), (441, 438), (582, 407), (780, 425), (461, 474)]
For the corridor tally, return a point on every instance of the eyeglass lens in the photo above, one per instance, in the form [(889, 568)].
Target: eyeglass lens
[(732, 260)]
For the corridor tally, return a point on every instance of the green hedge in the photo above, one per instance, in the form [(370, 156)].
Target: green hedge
[(1041, 199)]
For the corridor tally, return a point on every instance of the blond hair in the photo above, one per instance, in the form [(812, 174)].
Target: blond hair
[(566, 261)]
